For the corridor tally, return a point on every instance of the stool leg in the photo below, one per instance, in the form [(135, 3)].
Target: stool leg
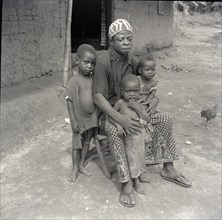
[(100, 154)]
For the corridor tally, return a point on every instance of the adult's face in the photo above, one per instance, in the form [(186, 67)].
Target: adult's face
[(122, 42)]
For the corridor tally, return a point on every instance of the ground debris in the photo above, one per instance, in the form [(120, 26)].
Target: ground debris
[(177, 68), (172, 67), (67, 120), (190, 70)]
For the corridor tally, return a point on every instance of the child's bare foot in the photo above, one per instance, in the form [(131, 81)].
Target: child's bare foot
[(144, 178), (73, 175), (139, 187), (84, 171)]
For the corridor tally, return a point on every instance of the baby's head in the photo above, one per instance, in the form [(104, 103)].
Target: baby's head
[(86, 59), (130, 87), (147, 67)]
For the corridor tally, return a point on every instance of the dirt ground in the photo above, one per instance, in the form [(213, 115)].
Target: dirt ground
[(34, 176)]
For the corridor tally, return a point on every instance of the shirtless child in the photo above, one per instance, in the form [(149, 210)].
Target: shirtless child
[(135, 144), (147, 66), (81, 108)]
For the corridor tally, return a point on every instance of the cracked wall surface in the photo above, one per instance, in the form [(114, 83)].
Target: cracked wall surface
[(33, 39)]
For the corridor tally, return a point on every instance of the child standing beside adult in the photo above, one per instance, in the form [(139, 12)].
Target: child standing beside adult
[(82, 112)]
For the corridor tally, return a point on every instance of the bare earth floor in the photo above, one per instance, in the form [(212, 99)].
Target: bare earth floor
[(34, 177)]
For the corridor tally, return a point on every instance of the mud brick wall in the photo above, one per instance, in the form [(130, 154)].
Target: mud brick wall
[(152, 22), (33, 39)]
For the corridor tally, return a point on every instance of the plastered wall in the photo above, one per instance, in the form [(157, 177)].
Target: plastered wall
[(33, 39)]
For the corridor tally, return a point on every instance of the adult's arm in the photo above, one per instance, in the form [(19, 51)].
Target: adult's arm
[(100, 96), (129, 125)]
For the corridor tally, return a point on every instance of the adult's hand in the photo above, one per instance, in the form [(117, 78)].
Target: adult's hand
[(153, 105), (130, 125)]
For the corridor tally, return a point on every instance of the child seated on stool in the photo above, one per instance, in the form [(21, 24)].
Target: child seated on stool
[(82, 113)]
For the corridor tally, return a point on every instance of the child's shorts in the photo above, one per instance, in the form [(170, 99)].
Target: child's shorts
[(78, 140)]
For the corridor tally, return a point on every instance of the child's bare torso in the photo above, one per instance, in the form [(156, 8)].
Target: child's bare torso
[(85, 93), (125, 110)]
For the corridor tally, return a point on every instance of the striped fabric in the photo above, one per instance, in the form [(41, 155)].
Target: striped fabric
[(103, 24), (119, 25), (161, 149)]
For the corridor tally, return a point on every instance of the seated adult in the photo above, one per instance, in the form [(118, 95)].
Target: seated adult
[(111, 66)]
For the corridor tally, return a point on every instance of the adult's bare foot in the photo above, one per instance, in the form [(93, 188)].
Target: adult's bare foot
[(84, 171)]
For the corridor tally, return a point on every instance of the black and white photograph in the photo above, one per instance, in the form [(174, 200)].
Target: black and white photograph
[(111, 109)]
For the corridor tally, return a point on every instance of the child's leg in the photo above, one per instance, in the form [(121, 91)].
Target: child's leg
[(82, 169), (85, 148), (76, 146), (75, 165), (136, 159)]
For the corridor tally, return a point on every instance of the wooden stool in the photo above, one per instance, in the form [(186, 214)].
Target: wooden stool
[(100, 155)]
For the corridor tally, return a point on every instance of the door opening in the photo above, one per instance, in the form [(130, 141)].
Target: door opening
[(89, 23)]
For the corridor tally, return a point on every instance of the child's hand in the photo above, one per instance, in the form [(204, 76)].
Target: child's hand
[(120, 130), (146, 102), (135, 105), (75, 126)]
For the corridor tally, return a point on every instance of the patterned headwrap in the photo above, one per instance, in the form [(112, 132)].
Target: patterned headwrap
[(119, 25)]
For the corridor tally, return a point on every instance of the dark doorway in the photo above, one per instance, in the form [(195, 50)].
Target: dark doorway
[(86, 23)]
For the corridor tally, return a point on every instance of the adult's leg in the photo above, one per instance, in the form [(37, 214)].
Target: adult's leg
[(118, 152), (163, 146)]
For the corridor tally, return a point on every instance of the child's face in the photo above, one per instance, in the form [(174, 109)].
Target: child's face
[(131, 90), (86, 63), (148, 69)]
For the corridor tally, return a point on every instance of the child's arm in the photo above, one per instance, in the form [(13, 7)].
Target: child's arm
[(70, 99), (152, 101), (152, 105), (152, 93), (74, 124), (140, 110)]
